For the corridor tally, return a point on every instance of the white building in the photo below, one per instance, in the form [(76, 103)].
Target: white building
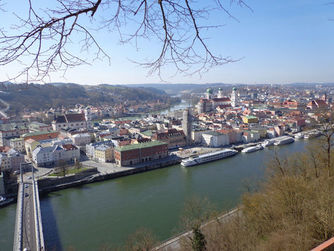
[(90, 148), (39, 127), (11, 130), (71, 121), (196, 135), (10, 159), (88, 117), (215, 139), (234, 97), (53, 155), (17, 144), (250, 136), (220, 93), (81, 139)]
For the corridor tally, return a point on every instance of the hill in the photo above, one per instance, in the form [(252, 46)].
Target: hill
[(39, 97)]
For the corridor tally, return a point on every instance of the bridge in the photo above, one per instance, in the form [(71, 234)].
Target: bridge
[(28, 233)]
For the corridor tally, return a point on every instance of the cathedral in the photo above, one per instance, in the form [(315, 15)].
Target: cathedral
[(211, 101)]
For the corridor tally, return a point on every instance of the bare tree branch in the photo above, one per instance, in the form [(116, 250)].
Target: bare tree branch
[(43, 41)]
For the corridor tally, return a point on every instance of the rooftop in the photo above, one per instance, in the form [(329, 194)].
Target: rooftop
[(37, 133), (16, 139), (251, 117), (139, 146), (147, 133), (213, 133)]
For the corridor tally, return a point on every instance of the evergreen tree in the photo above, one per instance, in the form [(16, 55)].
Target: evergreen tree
[(198, 241)]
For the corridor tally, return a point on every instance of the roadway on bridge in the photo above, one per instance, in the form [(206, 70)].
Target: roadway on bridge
[(28, 221)]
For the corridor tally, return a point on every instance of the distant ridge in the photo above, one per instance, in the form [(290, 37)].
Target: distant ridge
[(36, 97)]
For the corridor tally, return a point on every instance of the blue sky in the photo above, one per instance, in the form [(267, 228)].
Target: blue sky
[(278, 42)]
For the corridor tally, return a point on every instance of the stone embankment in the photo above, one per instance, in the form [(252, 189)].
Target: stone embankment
[(49, 184), (176, 243)]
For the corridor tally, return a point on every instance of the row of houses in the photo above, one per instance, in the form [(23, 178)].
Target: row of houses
[(10, 159), (50, 156), (225, 137)]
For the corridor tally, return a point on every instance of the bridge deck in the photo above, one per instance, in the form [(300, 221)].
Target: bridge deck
[(28, 228), (28, 220)]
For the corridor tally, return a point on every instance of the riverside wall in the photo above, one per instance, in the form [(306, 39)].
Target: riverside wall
[(47, 185)]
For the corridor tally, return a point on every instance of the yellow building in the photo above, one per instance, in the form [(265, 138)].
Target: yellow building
[(104, 153), (30, 146), (250, 119), (261, 131)]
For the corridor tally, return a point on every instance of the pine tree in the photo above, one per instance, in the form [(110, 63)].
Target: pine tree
[(198, 242)]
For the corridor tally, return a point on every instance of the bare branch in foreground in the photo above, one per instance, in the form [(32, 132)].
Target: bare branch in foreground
[(54, 39)]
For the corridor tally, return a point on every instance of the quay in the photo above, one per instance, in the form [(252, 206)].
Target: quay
[(101, 172), (164, 188), (105, 171)]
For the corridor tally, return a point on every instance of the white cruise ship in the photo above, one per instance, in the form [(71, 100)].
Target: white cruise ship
[(201, 159), (284, 140), (252, 149), (299, 135), (267, 143), (312, 135)]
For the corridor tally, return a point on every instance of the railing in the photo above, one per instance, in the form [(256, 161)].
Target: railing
[(37, 216), (177, 238), (19, 216), (18, 235)]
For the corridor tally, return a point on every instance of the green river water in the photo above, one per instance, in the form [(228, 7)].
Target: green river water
[(106, 213)]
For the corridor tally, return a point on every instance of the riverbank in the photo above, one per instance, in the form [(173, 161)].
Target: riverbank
[(97, 172), (93, 174), (176, 243), (153, 200)]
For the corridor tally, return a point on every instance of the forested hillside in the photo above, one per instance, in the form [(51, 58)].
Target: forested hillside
[(37, 97)]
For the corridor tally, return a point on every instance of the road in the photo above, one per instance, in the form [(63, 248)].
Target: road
[(28, 235), (175, 243)]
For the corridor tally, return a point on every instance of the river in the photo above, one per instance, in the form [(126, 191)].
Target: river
[(106, 213)]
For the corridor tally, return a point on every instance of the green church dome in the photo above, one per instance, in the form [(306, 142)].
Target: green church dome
[(209, 90)]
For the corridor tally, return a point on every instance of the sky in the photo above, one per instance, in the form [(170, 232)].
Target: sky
[(276, 42)]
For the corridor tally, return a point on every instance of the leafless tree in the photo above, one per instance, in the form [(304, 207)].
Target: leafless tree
[(327, 132), (43, 40)]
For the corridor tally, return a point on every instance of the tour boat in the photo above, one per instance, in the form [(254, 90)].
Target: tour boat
[(208, 157), (252, 149), (284, 140)]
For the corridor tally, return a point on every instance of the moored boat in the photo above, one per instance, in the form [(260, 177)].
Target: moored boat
[(5, 201), (312, 135), (267, 143), (208, 157), (252, 149), (299, 135), (284, 140)]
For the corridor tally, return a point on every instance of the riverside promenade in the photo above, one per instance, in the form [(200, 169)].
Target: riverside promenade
[(102, 172), (176, 243)]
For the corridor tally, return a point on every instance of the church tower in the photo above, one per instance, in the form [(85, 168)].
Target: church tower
[(208, 93), (234, 97), (186, 125), (88, 116), (220, 93)]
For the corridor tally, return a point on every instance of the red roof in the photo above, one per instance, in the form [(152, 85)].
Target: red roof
[(221, 99), (68, 147), (4, 149), (70, 118)]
